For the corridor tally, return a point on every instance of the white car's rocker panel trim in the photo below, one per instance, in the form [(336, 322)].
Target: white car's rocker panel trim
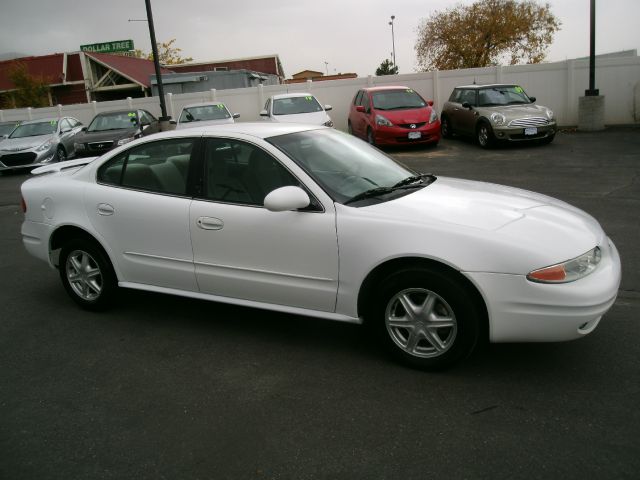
[(244, 303)]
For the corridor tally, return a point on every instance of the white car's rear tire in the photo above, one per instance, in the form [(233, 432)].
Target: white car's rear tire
[(87, 274)]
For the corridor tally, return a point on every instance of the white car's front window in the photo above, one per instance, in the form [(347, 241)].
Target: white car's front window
[(344, 166)]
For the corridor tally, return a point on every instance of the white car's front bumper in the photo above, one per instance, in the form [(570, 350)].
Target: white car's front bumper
[(524, 311)]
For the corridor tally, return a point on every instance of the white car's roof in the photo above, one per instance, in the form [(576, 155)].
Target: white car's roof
[(291, 95), (258, 129)]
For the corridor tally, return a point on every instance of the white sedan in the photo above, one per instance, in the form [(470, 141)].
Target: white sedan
[(296, 108), (312, 221), (204, 114)]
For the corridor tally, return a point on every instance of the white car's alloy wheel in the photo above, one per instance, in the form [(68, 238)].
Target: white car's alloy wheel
[(421, 322), (84, 275), (426, 316)]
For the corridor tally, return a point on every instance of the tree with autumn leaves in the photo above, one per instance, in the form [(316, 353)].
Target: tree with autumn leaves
[(487, 32), (168, 54), (29, 90)]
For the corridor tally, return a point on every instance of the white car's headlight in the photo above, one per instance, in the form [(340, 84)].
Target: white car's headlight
[(328, 123), (568, 271), (550, 114), (122, 141), (434, 116), (45, 146), (498, 118), (380, 120)]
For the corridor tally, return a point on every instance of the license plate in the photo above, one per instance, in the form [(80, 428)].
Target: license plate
[(530, 131), (414, 135)]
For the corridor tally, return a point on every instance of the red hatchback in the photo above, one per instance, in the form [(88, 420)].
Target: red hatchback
[(393, 116)]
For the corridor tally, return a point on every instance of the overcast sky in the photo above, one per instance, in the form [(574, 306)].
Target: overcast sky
[(352, 36)]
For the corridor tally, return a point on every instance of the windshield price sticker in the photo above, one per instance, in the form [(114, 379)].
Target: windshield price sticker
[(519, 89), (131, 114), (409, 90), (220, 106), (308, 98), (54, 122)]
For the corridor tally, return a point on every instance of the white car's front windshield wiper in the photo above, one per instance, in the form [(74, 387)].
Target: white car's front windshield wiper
[(416, 178), (407, 183)]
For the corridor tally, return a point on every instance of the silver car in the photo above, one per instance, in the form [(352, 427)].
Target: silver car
[(499, 112), (39, 142)]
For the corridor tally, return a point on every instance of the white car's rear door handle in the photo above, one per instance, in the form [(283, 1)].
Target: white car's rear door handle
[(210, 223)]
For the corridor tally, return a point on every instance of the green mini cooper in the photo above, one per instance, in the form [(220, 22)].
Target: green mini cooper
[(492, 113)]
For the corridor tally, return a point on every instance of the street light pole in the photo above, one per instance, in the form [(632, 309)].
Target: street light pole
[(156, 63), (592, 92), (393, 40)]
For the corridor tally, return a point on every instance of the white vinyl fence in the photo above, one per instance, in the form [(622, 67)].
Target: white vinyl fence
[(556, 85)]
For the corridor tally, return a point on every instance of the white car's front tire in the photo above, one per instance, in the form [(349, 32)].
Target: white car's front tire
[(426, 317)]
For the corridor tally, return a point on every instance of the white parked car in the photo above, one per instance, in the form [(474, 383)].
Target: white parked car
[(312, 221), (296, 108), (202, 114)]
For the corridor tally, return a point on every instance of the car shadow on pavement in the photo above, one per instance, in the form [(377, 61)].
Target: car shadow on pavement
[(275, 331)]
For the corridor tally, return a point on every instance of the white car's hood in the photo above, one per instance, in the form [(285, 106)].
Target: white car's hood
[(313, 118), (515, 215)]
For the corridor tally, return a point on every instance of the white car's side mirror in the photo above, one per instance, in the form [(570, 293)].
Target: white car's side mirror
[(286, 198), (327, 108), (264, 113)]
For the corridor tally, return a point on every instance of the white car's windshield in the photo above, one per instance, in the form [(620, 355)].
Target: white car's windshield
[(397, 100), (113, 121), (344, 166), (203, 113), (295, 105), (35, 129), (502, 96)]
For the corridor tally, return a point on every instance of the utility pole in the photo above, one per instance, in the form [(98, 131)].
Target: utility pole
[(591, 107), (592, 92), (164, 119)]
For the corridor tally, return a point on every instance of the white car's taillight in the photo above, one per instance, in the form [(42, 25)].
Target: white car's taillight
[(568, 271)]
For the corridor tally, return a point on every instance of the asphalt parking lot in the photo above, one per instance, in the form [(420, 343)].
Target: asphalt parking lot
[(166, 388)]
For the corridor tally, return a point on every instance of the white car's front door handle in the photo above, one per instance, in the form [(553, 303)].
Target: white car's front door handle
[(210, 223)]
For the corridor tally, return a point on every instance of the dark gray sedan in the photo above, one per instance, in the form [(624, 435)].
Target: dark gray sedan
[(39, 142), (499, 112), (109, 130)]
